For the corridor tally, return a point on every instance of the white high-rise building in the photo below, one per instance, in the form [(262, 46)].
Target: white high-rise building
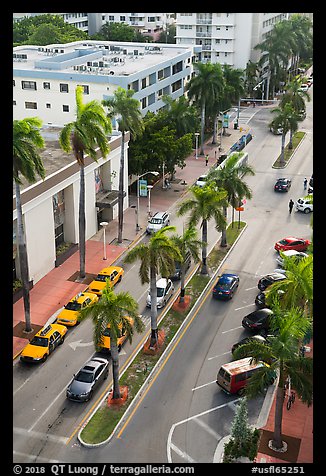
[(226, 38)]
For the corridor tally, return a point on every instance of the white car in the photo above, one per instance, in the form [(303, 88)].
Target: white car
[(165, 289), (201, 181), (290, 253), (158, 221), (304, 205), (304, 87)]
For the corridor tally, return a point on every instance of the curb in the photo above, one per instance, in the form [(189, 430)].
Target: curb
[(159, 362), (294, 151)]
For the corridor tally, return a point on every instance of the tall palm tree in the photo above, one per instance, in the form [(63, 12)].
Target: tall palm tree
[(282, 354), (27, 141), (205, 203), (297, 285), (113, 310), (83, 136), (286, 119), (303, 38), (129, 118), (229, 178), (186, 243), (157, 257), (181, 115), (202, 88), (251, 75)]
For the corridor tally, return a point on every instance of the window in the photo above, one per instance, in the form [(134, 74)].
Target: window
[(46, 85), (111, 17), (143, 83), (65, 108), (85, 88), (29, 85), (30, 105), (122, 18), (64, 88), (143, 103)]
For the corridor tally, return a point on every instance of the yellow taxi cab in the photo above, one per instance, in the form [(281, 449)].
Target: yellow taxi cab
[(43, 343), (105, 345), (113, 273), (69, 315)]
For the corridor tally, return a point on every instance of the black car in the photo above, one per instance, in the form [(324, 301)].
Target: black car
[(226, 286), (245, 340), (269, 279), (258, 320), (282, 185), (88, 378), (260, 300), (177, 271)]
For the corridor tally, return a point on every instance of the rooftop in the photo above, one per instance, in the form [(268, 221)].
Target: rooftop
[(98, 58)]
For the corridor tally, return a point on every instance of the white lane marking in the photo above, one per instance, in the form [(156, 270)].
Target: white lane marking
[(79, 343), (249, 289), (205, 385), (230, 330), (48, 407), (208, 428), (35, 458), (17, 389), (219, 355), (182, 454), (244, 307), (40, 436)]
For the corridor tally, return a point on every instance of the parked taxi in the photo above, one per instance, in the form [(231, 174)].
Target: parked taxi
[(105, 345), (112, 273), (69, 315), (43, 343)]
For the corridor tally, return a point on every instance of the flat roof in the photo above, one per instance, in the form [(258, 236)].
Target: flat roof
[(98, 58)]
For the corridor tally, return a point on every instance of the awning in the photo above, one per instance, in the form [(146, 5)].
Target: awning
[(107, 199)]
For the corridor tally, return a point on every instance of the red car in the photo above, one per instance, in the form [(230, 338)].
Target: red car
[(292, 243)]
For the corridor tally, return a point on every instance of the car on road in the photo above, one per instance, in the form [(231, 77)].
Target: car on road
[(258, 320), (165, 289), (282, 185), (69, 315), (105, 344), (293, 254), (226, 286), (89, 377), (269, 279), (112, 273), (304, 87), (158, 221), (43, 343), (305, 205), (276, 130), (201, 181), (177, 270), (292, 243), (246, 340)]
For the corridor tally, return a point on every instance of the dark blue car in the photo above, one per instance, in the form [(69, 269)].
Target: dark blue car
[(226, 286)]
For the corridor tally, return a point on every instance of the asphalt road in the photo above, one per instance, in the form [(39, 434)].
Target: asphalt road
[(184, 414)]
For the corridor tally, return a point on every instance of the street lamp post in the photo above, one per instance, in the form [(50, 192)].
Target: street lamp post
[(196, 134), (137, 211), (149, 188), (104, 224)]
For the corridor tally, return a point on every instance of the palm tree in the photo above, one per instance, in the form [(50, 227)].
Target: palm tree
[(286, 119), (83, 136), (251, 74), (303, 40), (202, 88), (186, 243), (229, 178), (283, 356), (157, 257), (118, 311), (181, 115), (295, 96), (205, 203), (27, 163), (297, 285), (129, 118)]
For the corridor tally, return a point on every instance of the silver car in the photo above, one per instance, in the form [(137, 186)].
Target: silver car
[(290, 254), (164, 289), (88, 378), (158, 221)]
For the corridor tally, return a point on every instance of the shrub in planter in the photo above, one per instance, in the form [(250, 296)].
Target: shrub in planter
[(62, 248), (17, 284)]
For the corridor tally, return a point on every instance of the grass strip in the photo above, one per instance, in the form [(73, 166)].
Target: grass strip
[(105, 419), (296, 139)]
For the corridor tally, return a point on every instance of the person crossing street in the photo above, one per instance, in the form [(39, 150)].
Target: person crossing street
[(291, 203)]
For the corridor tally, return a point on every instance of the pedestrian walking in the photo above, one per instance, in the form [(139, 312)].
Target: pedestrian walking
[(206, 159), (291, 203), (305, 182)]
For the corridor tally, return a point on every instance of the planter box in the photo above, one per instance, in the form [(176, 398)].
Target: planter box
[(65, 255), (19, 293)]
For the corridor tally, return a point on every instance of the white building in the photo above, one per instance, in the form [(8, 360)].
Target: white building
[(50, 207), (45, 78), (226, 38)]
